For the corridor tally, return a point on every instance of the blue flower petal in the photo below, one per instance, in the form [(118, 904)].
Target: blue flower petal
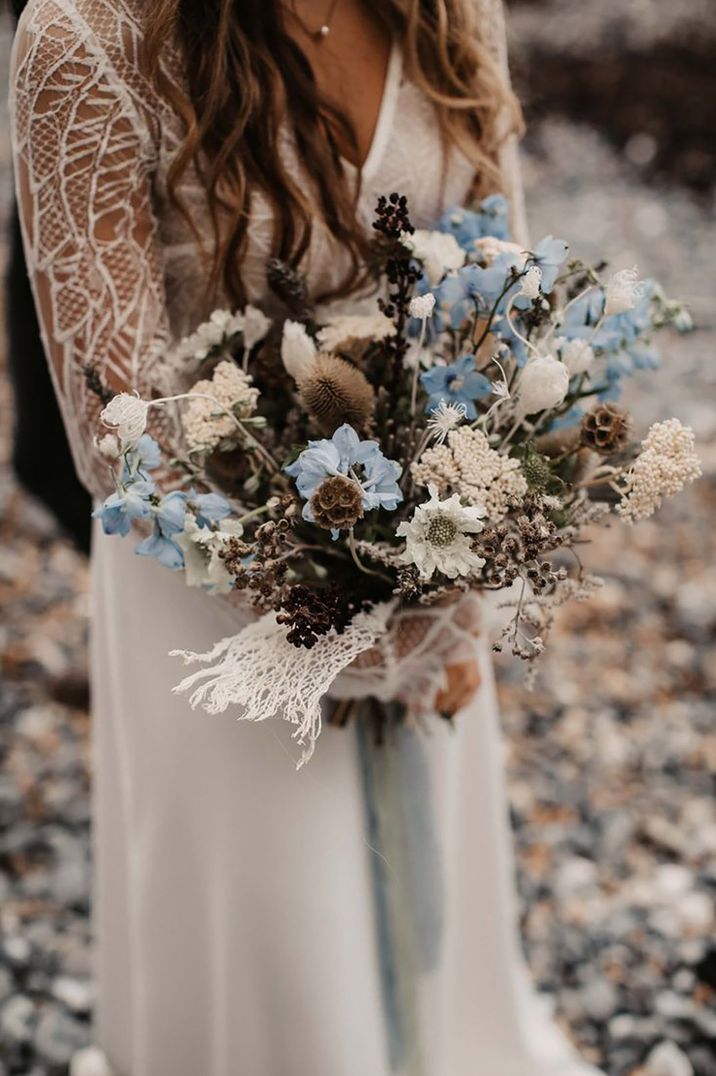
[(163, 549)]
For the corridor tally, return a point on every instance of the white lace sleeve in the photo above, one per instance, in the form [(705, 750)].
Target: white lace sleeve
[(83, 154)]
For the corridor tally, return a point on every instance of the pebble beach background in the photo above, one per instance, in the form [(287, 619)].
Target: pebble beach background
[(612, 758)]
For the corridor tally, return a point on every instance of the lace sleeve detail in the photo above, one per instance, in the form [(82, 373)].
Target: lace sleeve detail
[(83, 155)]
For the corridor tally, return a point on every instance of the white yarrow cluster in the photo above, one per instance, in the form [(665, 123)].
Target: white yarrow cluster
[(666, 463), (467, 466), (205, 421), (422, 306), (437, 538), (623, 291), (439, 252)]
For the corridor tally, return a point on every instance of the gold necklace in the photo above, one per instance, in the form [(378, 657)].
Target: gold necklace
[(323, 30)]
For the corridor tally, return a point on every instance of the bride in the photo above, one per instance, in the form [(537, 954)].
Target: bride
[(240, 908)]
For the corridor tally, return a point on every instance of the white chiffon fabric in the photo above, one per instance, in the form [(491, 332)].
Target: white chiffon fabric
[(236, 908)]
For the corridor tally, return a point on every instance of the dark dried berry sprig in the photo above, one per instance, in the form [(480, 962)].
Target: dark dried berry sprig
[(96, 384), (392, 222), (260, 566), (311, 614)]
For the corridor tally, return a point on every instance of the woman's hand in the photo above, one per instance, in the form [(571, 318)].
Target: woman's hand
[(424, 650), (463, 681)]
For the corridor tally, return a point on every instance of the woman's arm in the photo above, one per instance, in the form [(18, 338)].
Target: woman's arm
[(83, 160)]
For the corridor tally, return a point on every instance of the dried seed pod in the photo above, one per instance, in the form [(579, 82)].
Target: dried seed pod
[(606, 428), (334, 392), (337, 503)]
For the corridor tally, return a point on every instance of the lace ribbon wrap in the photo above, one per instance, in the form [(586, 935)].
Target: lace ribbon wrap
[(382, 654), (264, 675)]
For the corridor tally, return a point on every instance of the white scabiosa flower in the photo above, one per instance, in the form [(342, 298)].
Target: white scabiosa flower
[(126, 414), (577, 355), (256, 325), (437, 538), (439, 252), (445, 417), (531, 282), (298, 349), (422, 306), (543, 384), (623, 291), (666, 463)]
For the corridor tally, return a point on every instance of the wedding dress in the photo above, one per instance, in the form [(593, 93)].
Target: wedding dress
[(240, 907)]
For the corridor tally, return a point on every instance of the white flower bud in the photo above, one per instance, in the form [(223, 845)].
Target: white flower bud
[(127, 415), (577, 355), (623, 291), (543, 384), (297, 349), (422, 306)]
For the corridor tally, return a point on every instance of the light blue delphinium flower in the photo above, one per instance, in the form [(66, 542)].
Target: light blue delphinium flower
[(486, 283), (619, 340), (208, 508), (144, 457), (169, 520), (346, 454), (120, 508), (164, 549), (458, 383), (466, 225), (170, 513)]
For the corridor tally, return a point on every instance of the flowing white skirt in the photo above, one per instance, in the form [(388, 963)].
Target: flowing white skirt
[(238, 903)]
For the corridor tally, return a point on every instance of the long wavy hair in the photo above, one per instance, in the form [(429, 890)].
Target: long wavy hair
[(245, 76)]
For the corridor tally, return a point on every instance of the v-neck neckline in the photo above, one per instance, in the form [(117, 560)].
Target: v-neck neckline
[(384, 119)]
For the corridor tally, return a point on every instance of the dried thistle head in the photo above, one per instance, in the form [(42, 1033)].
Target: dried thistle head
[(333, 392), (337, 503), (606, 428)]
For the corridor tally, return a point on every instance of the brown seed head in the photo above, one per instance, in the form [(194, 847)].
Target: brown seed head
[(606, 428), (337, 503)]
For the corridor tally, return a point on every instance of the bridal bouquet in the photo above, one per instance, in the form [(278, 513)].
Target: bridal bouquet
[(360, 473)]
